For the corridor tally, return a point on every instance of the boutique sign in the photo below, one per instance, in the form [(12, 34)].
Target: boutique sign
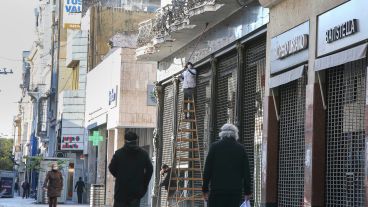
[(290, 48), (341, 31), (341, 27), (72, 14)]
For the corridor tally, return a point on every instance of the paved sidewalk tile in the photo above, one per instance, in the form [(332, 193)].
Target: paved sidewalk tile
[(19, 202)]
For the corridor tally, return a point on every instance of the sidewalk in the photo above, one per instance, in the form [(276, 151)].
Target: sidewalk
[(19, 202)]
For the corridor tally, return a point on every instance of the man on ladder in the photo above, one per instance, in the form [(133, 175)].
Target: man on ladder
[(189, 77)]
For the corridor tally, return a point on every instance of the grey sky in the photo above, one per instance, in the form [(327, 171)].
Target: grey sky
[(16, 34)]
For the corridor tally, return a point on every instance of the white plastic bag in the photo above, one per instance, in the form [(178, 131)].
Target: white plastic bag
[(246, 204)]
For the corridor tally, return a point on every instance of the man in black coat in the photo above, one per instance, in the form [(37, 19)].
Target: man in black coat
[(226, 171), (132, 168)]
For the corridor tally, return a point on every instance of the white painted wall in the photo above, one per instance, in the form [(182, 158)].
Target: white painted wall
[(103, 78)]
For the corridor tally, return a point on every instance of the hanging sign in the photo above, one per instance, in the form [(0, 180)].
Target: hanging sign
[(72, 14)]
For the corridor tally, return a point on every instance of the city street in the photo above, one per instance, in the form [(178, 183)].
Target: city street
[(18, 201)]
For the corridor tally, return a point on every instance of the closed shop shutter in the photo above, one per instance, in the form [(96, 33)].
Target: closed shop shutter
[(251, 126), (345, 134), (291, 143), (226, 89), (168, 118)]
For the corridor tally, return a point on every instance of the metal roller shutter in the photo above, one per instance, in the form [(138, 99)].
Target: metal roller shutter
[(168, 118), (291, 143), (345, 134), (251, 125), (225, 102)]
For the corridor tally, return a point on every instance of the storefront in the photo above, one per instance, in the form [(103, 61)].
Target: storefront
[(341, 65), (288, 64)]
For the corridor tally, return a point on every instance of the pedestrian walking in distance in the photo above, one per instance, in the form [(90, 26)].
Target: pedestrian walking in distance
[(16, 188), (53, 184), (169, 174), (80, 187), (26, 187), (132, 168), (226, 173)]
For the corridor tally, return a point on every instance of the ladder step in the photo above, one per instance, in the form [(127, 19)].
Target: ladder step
[(189, 169), (188, 120), (187, 130), (187, 159), (188, 101), (190, 111), (187, 149), (193, 179), (186, 140), (179, 188)]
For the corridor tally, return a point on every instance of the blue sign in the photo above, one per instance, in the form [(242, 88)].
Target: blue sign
[(113, 97)]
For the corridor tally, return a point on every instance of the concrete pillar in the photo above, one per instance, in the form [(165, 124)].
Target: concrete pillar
[(270, 149), (110, 180), (101, 159), (119, 138)]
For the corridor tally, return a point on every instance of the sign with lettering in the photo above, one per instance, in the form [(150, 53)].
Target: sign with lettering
[(342, 27), (341, 31), (113, 97), (292, 46), (72, 142), (72, 14), (289, 48)]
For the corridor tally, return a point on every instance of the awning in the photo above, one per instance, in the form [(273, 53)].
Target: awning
[(286, 77), (350, 55)]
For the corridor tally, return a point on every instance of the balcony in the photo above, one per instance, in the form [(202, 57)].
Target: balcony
[(269, 3), (177, 24)]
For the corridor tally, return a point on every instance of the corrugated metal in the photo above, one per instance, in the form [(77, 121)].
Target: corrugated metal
[(345, 135), (251, 125), (167, 135), (291, 144), (225, 102)]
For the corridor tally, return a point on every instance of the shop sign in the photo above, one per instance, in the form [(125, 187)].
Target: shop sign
[(342, 27), (72, 14), (113, 97), (341, 31), (71, 142), (290, 48)]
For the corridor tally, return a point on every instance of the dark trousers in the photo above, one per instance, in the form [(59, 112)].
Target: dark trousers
[(188, 93), (52, 201), (80, 194), (133, 203), (25, 193), (222, 200)]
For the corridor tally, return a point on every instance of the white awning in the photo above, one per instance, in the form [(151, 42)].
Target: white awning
[(350, 55), (286, 77)]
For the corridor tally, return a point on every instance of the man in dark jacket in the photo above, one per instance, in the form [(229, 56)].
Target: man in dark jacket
[(80, 187), (226, 171), (132, 168)]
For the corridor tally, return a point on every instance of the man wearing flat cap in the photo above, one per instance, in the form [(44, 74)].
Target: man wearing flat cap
[(226, 177), (132, 168)]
